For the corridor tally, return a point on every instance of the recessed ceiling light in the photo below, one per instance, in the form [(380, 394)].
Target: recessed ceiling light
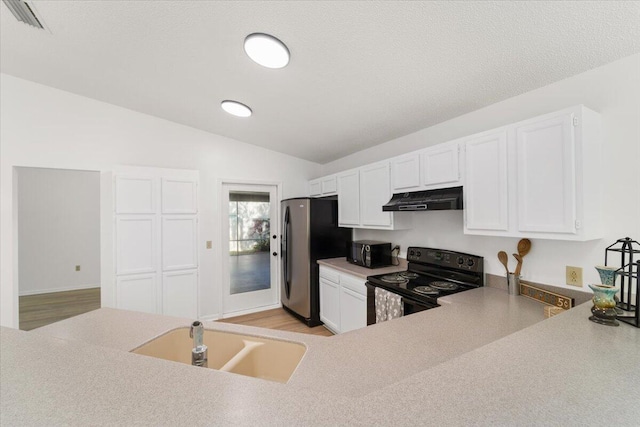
[(236, 108), (266, 50)]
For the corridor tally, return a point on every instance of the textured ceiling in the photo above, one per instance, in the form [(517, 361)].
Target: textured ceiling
[(361, 73)]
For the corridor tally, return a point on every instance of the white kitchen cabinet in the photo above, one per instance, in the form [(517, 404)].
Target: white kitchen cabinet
[(349, 198), (545, 171), (330, 304), (440, 166), (539, 178), (485, 190), (405, 173), (361, 194), (325, 186), (343, 300), (375, 191)]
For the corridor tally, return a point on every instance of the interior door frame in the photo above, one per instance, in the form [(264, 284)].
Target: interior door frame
[(224, 231)]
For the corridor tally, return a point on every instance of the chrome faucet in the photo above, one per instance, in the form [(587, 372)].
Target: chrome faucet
[(199, 351)]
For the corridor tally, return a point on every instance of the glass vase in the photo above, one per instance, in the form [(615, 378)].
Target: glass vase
[(604, 306)]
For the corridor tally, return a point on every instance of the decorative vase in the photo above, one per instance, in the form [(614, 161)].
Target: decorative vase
[(608, 277), (607, 274), (604, 305)]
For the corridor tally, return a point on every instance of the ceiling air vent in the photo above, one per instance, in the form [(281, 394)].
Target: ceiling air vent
[(23, 12)]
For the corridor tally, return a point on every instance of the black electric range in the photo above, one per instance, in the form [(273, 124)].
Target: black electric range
[(432, 273)]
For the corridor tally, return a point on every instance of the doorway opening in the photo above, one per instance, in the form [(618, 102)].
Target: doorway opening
[(58, 226), (251, 255)]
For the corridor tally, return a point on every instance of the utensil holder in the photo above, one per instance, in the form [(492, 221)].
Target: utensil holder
[(513, 284)]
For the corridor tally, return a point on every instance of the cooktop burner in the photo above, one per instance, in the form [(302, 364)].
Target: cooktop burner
[(426, 290), (394, 278), (444, 286), (408, 275)]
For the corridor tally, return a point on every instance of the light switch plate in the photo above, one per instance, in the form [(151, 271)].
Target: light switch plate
[(209, 244)]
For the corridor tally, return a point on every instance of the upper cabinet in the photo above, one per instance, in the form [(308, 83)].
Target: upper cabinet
[(538, 178), (405, 173), (361, 194), (440, 166), (325, 186)]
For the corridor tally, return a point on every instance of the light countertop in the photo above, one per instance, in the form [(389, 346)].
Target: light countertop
[(491, 353), (341, 264)]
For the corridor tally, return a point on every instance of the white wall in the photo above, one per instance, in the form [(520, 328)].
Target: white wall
[(612, 90), (59, 228), (46, 127)]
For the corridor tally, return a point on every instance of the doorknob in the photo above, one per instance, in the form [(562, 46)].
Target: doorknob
[(275, 254), (274, 236)]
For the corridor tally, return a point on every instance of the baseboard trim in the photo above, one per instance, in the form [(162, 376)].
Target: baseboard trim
[(251, 310), (53, 290), (210, 317)]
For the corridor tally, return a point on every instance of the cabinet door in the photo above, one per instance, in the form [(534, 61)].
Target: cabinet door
[(329, 185), (330, 304), (353, 310), (179, 242), (135, 194), (137, 293), (486, 191), (349, 198), (545, 152), (375, 191), (179, 196), (315, 188), (440, 165), (405, 173)]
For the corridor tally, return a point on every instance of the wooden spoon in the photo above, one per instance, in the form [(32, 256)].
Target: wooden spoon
[(519, 266), (524, 246), (504, 259)]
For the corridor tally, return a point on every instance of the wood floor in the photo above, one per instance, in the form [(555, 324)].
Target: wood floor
[(43, 309), (277, 319)]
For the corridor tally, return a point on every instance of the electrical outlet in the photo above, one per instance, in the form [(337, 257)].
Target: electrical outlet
[(574, 276), (77, 268), (209, 244)]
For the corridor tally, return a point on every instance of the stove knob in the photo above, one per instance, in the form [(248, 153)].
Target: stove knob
[(460, 260), (418, 254), (411, 253), (470, 262)]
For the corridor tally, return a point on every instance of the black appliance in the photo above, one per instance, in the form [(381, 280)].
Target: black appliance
[(431, 273), (431, 200), (369, 253), (309, 232)]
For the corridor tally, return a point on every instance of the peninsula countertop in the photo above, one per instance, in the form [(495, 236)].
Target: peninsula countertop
[(490, 351)]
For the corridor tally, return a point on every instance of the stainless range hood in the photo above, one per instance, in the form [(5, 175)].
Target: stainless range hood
[(430, 200)]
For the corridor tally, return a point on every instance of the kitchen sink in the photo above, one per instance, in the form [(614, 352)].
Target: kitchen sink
[(257, 357)]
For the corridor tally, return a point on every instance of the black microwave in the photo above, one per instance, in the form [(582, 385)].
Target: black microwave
[(369, 253)]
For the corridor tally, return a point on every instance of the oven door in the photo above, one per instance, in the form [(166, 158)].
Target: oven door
[(410, 305)]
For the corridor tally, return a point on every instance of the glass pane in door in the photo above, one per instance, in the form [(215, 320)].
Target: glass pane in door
[(249, 232)]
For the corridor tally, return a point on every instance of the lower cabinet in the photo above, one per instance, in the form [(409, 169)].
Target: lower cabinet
[(343, 300)]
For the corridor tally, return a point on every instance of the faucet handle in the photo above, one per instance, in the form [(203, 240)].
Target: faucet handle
[(194, 325)]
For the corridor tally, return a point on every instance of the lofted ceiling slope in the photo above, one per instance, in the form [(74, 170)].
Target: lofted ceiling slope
[(361, 72)]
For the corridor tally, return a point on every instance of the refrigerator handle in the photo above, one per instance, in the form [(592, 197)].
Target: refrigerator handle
[(284, 251)]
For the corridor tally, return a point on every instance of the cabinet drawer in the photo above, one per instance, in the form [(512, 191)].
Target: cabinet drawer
[(354, 284), (329, 274)]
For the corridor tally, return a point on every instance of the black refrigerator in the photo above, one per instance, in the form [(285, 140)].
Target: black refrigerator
[(309, 232)]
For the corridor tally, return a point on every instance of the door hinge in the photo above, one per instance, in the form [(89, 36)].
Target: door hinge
[(575, 121), (578, 224)]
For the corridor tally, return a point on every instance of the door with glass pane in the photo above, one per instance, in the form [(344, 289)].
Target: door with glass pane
[(250, 247)]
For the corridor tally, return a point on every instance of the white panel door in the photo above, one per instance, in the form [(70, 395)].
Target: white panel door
[(440, 165), (375, 191), (405, 173), (179, 242), (349, 198), (330, 304), (180, 294), (135, 244), (135, 195), (179, 196), (546, 175), (486, 191), (353, 310), (137, 293)]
